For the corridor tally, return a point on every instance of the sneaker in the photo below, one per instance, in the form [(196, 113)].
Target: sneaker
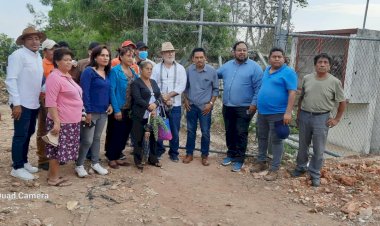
[(99, 169), (81, 171), (174, 158), (236, 166), (227, 161), (259, 167), (22, 174), (30, 168), (271, 176), (315, 182), (122, 157), (297, 173)]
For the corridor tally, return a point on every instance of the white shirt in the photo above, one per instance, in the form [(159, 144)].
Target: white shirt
[(166, 82), (24, 78)]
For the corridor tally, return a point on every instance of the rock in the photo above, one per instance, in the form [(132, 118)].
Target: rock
[(346, 180), (324, 181), (365, 213), (71, 205), (48, 221), (351, 207), (150, 191), (376, 209), (2, 218), (34, 222), (16, 184)]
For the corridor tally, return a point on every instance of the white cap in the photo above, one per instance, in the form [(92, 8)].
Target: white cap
[(48, 44)]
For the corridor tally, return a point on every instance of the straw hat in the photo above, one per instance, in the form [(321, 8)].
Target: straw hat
[(167, 46), (30, 31), (51, 139)]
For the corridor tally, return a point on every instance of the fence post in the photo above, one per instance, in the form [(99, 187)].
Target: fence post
[(288, 24), (145, 23), (200, 30), (280, 37)]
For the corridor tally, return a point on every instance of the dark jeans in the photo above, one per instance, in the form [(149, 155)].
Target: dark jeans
[(138, 136), (265, 127), (236, 123), (117, 135), (24, 128), (175, 123), (192, 117)]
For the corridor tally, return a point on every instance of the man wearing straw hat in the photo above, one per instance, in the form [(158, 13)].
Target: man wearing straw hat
[(24, 79), (171, 79)]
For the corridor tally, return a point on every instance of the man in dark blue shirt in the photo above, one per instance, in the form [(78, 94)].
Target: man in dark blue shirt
[(242, 80)]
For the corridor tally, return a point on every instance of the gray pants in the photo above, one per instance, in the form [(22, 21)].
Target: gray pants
[(90, 138), (312, 128), (265, 126)]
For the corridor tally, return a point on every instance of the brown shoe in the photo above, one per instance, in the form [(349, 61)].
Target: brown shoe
[(271, 176), (187, 159), (260, 166), (205, 161), (113, 164)]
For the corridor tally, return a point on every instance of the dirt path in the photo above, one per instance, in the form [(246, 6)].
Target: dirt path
[(177, 194)]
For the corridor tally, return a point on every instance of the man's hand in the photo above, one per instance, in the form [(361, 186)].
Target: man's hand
[(252, 109), (207, 109), (165, 97), (118, 116), (88, 118), (186, 104), (109, 110), (16, 112), (332, 122), (287, 118)]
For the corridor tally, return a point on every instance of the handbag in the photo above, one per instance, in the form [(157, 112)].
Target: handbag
[(164, 132)]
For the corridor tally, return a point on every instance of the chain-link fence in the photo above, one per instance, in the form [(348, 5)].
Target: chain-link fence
[(356, 63)]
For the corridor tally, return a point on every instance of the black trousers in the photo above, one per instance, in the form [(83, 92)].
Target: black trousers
[(117, 135), (138, 136), (236, 123)]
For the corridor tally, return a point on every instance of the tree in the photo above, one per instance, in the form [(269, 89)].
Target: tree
[(7, 46)]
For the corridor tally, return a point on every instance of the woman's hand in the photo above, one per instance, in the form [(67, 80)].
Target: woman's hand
[(109, 110), (118, 116), (88, 118), (153, 114), (56, 128), (152, 107)]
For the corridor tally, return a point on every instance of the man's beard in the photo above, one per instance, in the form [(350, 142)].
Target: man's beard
[(169, 60), (241, 60)]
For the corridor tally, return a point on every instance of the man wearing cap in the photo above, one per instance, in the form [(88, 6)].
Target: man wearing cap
[(24, 80), (48, 47), (171, 79), (275, 105), (141, 53), (241, 79), (321, 92)]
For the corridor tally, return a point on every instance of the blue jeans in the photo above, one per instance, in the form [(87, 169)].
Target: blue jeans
[(192, 117), (236, 123), (175, 123), (265, 126), (312, 128), (24, 128)]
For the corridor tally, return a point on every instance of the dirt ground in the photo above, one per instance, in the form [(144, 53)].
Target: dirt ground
[(179, 194)]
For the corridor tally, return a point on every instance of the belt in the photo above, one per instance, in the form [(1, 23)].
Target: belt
[(316, 113)]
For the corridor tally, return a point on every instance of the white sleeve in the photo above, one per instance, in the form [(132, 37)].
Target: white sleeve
[(156, 74), (181, 80), (13, 72)]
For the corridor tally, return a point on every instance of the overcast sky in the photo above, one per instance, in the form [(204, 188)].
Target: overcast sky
[(319, 15)]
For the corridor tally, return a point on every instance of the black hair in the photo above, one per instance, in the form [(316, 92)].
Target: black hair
[(238, 43), (63, 44), (123, 51), (93, 45), (322, 55), (59, 54), (96, 52), (276, 49), (199, 49)]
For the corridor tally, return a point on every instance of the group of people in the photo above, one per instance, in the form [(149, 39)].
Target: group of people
[(75, 100)]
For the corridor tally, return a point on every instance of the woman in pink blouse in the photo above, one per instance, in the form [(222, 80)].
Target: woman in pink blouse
[(64, 103)]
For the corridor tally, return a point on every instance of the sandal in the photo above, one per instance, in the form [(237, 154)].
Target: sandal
[(156, 164), (60, 182), (113, 164)]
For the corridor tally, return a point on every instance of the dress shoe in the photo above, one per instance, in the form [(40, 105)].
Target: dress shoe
[(205, 161), (122, 163), (113, 164), (187, 159)]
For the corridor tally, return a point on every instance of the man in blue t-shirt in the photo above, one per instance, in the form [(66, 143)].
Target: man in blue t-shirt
[(275, 104)]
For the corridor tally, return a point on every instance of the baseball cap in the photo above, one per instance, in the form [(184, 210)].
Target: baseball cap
[(282, 130), (49, 44), (128, 43), (141, 44)]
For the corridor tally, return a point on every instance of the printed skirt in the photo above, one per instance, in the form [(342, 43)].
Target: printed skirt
[(68, 142)]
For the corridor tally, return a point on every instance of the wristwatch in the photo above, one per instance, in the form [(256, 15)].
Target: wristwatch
[(211, 103)]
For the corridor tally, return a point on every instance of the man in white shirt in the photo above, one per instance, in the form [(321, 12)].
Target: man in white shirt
[(24, 79), (171, 79)]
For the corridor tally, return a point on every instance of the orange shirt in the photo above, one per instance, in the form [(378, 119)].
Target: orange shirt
[(48, 67), (116, 61)]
